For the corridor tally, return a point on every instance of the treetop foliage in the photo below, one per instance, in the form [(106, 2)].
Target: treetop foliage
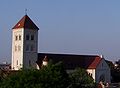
[(50, 76)]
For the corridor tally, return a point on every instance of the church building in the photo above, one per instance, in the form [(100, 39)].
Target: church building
[(25, 54), (24, 44)]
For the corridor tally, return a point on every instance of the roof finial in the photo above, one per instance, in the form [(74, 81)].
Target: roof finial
[(25, 11), (101, 56)]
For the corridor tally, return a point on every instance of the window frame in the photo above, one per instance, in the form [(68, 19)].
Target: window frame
[(32, 48), (17, 62), (15, 48), (27, 48), (32, 37), (19, 37), (19, 48), (27, 37), (16, 37)]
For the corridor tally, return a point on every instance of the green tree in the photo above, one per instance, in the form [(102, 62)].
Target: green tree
[(55, 76), (81, 79), (51, 76), (115, 71)]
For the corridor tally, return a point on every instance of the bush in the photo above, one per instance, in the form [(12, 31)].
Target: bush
[(51, 76)]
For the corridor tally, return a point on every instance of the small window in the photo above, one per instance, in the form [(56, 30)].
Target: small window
[(19, 37), (32, 37), (19, 48), (15, 48), (27, 48), (29, 63), (32, 48), (27, 37), (17, 62), (16, 38)]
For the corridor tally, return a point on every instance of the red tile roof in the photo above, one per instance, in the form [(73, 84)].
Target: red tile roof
[(72, 61), (26, 23), (95, 62)]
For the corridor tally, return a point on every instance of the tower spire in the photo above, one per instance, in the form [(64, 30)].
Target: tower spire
[(26, 23), (25, 11)]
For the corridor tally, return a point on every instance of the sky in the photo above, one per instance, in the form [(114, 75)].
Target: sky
[(66, 26)]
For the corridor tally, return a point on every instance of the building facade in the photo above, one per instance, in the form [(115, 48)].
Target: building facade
[(24, 44), (95, 65), (25, 54)]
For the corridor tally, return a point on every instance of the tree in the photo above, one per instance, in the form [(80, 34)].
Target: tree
[(115, 70), (55, 76), (81, 79), (51, 76)]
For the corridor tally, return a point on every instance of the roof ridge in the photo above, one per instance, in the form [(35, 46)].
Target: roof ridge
[(73, 54), (26, 23)]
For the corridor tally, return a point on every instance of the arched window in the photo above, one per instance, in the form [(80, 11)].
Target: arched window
[(19, 48), (32, 37), (17, 62), (27, 37), (16, 37), (15, 48), (32, 48), (27, 47), (29, 63), (19, 37)]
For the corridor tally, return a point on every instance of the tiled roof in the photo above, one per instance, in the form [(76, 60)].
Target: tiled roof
[(72, 61), (95, 62), (26, 23)]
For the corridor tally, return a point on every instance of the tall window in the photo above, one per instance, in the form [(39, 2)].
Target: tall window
[(19, 48), (29, 63), (27, 37), (19, 37), (17, 62), (15, 48), (32, 37), (27, 47), (16, 37), (32, 48)]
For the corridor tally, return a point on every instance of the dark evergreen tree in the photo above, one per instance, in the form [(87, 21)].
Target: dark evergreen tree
[(51, 76), (81, 79)]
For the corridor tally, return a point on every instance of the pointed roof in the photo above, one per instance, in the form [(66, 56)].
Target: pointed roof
[(25, 23)]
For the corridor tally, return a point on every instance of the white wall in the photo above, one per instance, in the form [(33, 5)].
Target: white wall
[(30, 55), (91, 72), (103, 69), (21, 59), (17, 55)]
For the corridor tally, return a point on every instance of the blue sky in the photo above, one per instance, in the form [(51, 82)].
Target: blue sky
[(66, 26)]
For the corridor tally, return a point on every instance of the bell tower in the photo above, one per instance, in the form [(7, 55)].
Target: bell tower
[(24, 44)]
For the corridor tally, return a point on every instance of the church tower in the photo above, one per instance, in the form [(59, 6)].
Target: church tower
[(24, 44)]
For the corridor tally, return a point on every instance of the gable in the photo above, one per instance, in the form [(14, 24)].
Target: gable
[(103, 65), (25, 23)]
